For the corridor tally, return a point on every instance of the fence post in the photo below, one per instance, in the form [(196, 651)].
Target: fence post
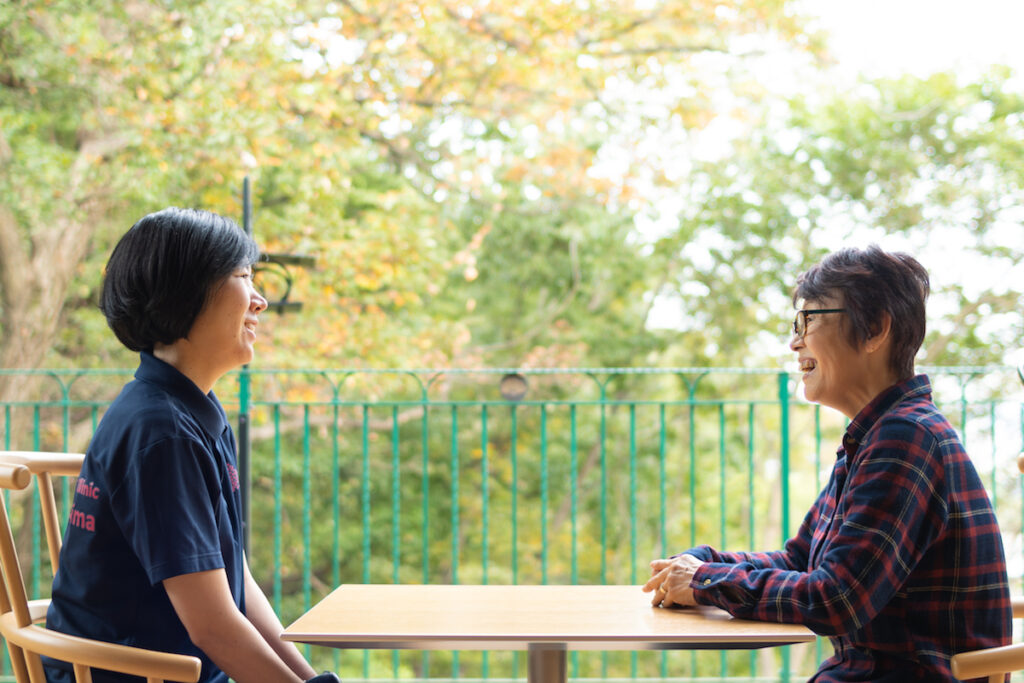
[(784, 462)]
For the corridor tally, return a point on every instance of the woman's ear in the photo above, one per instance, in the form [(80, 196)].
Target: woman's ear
[(879, 333)]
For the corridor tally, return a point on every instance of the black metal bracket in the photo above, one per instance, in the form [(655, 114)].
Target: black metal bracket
[(276, 266)]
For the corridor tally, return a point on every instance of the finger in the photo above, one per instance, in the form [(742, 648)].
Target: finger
[(658, 565), (653, 583), (657, 580)]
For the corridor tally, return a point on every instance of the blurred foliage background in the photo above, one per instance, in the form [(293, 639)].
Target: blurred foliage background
[(484, 184)]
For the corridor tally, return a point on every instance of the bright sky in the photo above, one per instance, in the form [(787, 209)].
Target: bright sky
[(888, 37)]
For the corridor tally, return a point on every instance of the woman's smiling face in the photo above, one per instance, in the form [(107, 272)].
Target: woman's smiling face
[(832, 369)]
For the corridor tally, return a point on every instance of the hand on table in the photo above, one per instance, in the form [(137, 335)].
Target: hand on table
[(670, 581)]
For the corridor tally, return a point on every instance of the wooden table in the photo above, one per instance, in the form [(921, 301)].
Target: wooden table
[(546, 621)]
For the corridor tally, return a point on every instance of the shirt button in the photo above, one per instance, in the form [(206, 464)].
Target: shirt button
[(707, 582)]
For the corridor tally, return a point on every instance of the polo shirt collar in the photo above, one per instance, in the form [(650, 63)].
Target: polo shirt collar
[(915, 387), (204, 407)]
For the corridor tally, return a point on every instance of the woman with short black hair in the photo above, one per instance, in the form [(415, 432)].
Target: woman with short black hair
[(900, 560), (153, 556)]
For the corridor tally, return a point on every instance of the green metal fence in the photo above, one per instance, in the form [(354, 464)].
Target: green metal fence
[(525, 476)]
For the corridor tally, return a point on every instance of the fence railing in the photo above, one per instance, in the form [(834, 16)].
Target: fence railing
[(525, 476)]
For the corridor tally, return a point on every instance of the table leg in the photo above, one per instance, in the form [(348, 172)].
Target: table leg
[(546, 664)]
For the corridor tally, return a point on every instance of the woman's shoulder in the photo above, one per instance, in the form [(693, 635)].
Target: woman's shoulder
[(141, 420)]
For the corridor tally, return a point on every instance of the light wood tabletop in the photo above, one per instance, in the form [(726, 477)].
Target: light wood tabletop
[(547, 621)]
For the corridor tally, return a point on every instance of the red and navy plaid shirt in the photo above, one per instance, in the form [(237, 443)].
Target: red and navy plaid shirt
[(899, 561)]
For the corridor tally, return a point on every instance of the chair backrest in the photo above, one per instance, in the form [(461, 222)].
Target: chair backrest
[(11, 477), (45, 466), (26, 641)]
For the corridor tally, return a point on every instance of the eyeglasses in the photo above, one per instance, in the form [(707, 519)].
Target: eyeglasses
[(800, 321)]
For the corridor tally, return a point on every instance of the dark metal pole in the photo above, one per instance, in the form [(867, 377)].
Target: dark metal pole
[(244, 445)]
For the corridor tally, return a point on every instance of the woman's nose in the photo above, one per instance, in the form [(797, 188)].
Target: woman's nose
[(258, 303), (795, 342)]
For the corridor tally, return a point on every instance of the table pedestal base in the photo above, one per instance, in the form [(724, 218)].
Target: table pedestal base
[(546, 664)]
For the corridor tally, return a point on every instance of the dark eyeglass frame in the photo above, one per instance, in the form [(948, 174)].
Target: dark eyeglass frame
[(800, 321)]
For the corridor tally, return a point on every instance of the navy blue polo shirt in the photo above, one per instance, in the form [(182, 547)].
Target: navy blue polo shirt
[(158, 497)]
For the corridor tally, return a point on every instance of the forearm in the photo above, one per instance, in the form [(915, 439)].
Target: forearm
[(262, 616), (246, 656), (777, 559), (203, 602)]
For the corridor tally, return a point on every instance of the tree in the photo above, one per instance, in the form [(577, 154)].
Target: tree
[(110, 110), (925, 165)]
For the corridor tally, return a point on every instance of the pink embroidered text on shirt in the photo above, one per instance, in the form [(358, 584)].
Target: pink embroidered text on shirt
[(233, 475)]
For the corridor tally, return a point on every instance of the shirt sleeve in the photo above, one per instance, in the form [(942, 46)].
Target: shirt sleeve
[(894, 508), (792, 557), (165, 509)]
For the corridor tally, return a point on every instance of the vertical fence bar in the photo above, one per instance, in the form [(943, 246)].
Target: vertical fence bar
[(513, 447), (632, 517), (31, 509), (723, 665), (573, 495), (751, 535), (692, 437), (396, 514), (543, 494), (604, 507), (783, 380), (336, 493), (277, 507), (573, 510), (306, 515), (454, 447), (454, 493), (245, 453), (364, 497), (485, 483), (336, 505), (514, 493), (662, 505), (425, 510), (485, 475)]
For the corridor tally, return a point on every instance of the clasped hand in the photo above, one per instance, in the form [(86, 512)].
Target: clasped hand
[(670, 581)]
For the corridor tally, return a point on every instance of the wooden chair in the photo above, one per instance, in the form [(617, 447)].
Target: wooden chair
[(45, 466), (27, 641), (995, 662)]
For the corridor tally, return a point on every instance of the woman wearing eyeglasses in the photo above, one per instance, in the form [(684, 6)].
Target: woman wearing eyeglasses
[(900, 560)]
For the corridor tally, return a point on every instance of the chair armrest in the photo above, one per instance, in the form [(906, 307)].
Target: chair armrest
[(101, 655), (62, 464), (1017, 605), (995, 660)]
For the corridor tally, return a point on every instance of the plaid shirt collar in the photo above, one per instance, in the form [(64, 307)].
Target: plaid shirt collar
[(917, 386)]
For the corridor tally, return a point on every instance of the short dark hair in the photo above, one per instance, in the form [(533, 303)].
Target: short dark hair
[(871, 282), (164, 268)]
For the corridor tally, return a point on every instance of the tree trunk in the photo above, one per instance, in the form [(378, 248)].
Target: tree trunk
[(37, 263)]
